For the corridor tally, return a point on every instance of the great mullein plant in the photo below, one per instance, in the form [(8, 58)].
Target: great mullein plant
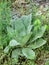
[(24, 37)]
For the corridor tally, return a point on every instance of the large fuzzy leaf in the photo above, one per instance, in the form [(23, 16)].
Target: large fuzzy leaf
[(15, 54), (38, 34), (38, 43), (13, 43), (7, 48), (25, 39), (20, 29), (28, 53), (22, 25), (26, 20)]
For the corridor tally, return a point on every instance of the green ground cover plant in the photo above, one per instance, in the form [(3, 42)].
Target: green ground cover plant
[(19, 37)]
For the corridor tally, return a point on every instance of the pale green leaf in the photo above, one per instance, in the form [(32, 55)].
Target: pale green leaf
[(13, 43), (20, 29), (16, 53), (25, 39), (39, 33), (28, 53), (7, 48), (38, 43)]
